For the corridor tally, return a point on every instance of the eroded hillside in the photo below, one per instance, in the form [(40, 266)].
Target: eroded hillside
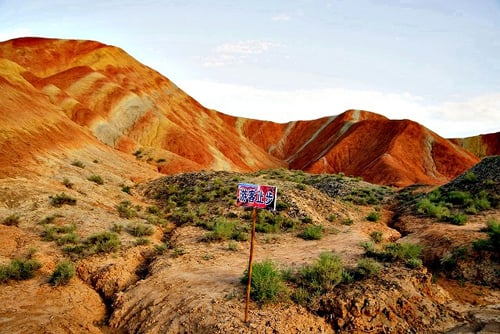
[(167, 256), (84, 93)]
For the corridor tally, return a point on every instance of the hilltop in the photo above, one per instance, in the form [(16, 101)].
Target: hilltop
[(69, 94)]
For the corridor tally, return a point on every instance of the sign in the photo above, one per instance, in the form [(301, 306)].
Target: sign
[(256, 196)]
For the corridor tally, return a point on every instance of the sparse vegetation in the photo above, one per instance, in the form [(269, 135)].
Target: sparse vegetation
[(373, 216), (11, 220), (96, 179), (67, 183), (367, 267), (61, 199), (78, 163), (267, 285), (126, 210), (63, 273), (376, 236), (313, 232), (321, 276), (20, 269), (348, 221), (140, 229)]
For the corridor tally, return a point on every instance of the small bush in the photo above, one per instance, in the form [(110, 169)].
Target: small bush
[(142, 241), (368, 267), (439, 211), (67, 183), (104, 242), (161, 248), (63, 273), (12, 220), (232, 246), (125, 210), (20, 269), (78, 163), (140, 229), (127, 189), (322, 275), (61, 199), (373, 216), (459, 219), (331, 218), (348, 221), (267, 285), (470, 177), (314, 232), (376, 236), (47, 220), (96, 179)]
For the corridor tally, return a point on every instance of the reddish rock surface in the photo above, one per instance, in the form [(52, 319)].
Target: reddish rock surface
[(61, 94)]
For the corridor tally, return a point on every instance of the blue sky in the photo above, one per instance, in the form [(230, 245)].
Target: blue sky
[(435, 62)]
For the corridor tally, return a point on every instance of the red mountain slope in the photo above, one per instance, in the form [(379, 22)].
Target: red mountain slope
[(88, 93), (482, 145)]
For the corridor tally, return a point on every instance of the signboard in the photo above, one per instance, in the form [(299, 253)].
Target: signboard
[(257, 196)]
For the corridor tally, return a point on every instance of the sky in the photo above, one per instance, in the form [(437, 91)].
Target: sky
[(436, 62)]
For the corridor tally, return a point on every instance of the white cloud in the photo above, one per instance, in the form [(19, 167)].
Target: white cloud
[(281, 17), (246, 47), (458, 119), (238, 52)]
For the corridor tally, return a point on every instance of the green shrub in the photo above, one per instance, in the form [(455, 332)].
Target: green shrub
[(459, 197), (348, 221), (11, 220), (414, 263), (376, 236), (67, 183), (47, 220), (161, 248), (232, 246), (368, 267), (127, 189), (222, 230), (459, 219), (373, 216), (331, 218), (78, 163), (125, 210), (267, 285), (61, 199), (313, 232), (140, 229), (324, 274), (142, 241), (63, 273), (438, 211), (20, 269), (96, 179), (493, 241), (69, 238), (470, 177), (104, 242)]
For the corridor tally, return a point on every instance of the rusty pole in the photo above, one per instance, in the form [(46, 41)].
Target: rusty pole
[(250, 260)]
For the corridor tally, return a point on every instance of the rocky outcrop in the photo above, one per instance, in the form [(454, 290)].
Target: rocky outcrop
[(396, 301)]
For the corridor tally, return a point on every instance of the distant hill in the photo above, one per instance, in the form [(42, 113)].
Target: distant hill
[(61, 94), (481, 145)]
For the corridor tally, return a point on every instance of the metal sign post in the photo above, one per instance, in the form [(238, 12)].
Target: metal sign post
[(250, 261)]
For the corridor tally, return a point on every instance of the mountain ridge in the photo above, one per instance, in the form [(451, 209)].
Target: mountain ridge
[(134, 109)]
